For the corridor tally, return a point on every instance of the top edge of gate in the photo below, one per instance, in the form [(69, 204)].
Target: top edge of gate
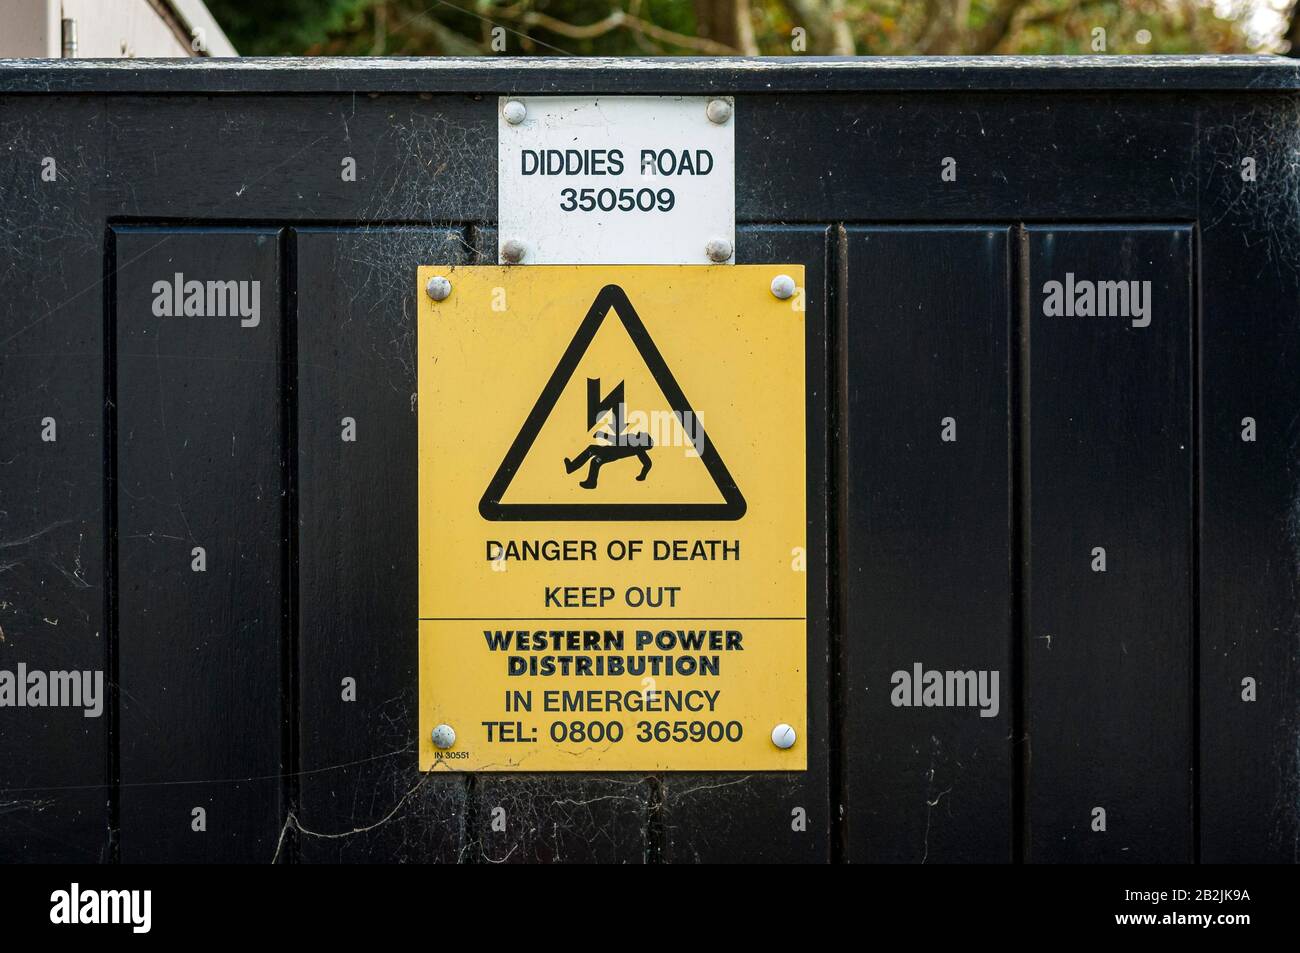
[(496, 75)]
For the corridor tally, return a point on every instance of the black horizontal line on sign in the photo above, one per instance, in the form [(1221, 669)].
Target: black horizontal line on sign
[(628, 618)]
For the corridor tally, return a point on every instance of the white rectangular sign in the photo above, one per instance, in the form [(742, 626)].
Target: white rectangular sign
[(620, 180)]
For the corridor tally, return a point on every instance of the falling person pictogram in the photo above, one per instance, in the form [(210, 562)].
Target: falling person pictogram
[(609, 410), (616, 447)]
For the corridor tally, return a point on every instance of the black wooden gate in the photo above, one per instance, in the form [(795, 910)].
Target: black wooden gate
[(1162, 690)]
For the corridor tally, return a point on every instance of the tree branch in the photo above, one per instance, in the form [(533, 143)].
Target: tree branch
[(448, 40), (616, 20), (996, 28)]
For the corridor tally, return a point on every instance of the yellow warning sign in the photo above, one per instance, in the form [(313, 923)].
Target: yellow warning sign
[(612, 480)]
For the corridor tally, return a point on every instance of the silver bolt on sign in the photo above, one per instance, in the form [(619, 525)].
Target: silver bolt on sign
[(783, 736), (514, 112), (783, 287), (718, 249), (444, 736), (438, 288), (718, 111), (513, 251)]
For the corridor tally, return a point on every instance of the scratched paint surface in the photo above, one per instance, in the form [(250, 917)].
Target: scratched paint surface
[(1068, 142)]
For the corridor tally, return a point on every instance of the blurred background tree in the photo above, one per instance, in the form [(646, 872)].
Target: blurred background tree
[(770, 27)]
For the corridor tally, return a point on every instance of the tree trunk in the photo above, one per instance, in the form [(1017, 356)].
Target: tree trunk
[(828, 30), (945, 34), (726, 22)]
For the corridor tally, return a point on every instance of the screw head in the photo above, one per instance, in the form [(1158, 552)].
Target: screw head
[(783, 736), (513, 251), (444, 736), (438, 288), (514, 112), (718, 249), (783, 287), (718, 111)]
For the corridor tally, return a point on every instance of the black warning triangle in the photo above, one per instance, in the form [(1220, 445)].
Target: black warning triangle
[(610, 298)]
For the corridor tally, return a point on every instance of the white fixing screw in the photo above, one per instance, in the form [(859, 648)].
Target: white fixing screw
[(718, 249), (783, 736), (783, 287), (512, 251), (438, 288), (514, 111), (444, 736), (718, 111)]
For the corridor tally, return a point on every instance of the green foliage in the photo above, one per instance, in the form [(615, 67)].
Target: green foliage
[(669, 27), (284, 27)]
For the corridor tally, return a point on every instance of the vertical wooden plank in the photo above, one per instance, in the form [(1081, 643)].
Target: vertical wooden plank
[(552, 818), (54, 792), (780, 817), (1249, 769), (362, 796), (1108, 653), (926, 573), (199, 467)]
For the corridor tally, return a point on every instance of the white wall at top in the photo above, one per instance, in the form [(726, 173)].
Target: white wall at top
[(106, 29), (113, 28), (30, 28)]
